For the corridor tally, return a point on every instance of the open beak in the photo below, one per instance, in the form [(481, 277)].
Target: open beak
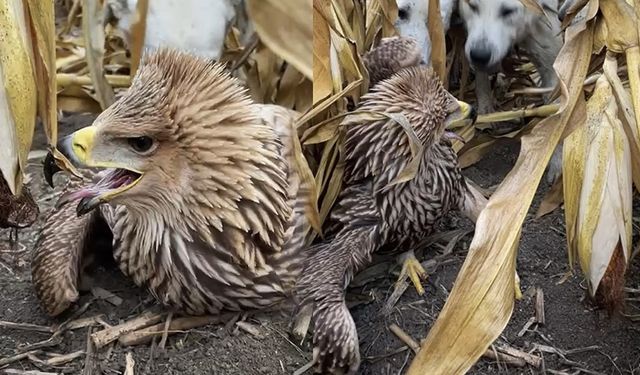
[(464, 115), (78, 148)]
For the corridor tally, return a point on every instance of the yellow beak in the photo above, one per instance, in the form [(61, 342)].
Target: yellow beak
[(466, 113), (82, 144)]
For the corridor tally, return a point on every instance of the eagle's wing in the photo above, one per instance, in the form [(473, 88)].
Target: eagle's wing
[(58, 254)]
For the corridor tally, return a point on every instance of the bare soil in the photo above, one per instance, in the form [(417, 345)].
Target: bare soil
[(572, 322)]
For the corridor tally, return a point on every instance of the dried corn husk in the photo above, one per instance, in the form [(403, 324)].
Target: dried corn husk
[(27, 82)]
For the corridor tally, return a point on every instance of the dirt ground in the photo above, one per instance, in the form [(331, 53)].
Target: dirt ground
[(586, 340)]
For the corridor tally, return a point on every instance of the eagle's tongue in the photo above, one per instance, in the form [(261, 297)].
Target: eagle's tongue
[(453, 136), (112, 180)]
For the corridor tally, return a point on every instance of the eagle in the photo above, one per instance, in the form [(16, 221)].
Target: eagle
[(209, 205), (380, 204), (206, 198)]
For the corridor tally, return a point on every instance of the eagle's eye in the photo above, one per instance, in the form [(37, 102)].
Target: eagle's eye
[(140, 144)]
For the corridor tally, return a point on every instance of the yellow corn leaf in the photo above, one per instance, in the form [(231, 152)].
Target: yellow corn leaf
[(328, 129), (573, 157), (43, 39), (626, 114), (417, 149), (600, 36), (40, 17), (326, 103), (93, 31), (285, 26), (18, 96), (322, 84), (329, 176), (604, 216), (573, 8), (621, 25), (622, 37), (482, 299), (381, 16), (436, 34)]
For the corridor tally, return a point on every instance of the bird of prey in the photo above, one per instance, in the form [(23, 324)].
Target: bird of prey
[(377, 206), (208, 204)]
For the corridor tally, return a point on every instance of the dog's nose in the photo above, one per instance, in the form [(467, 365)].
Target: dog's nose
[(480, 56)]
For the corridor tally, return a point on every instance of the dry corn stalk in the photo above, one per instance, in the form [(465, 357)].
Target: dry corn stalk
[(482, 300), (602, 159), (602, 235), (27, 82)]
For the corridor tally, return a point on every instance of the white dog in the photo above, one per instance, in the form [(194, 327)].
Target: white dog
[(494, 28), (197, 26), (412, 22)]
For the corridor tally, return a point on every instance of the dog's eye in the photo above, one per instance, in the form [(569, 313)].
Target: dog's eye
[(140, 144), (473, 6), (403, 14), (506, 12)]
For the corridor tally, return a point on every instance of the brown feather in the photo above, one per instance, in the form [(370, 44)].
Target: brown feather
[(217, 220), (371, 212)]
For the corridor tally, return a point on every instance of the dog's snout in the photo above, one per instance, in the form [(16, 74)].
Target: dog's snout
[(480, 56)]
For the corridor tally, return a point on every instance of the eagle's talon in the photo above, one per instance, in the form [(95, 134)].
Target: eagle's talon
[(413, 269)]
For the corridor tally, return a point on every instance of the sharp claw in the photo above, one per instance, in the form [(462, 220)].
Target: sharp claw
[(412, 268), (50, 168)]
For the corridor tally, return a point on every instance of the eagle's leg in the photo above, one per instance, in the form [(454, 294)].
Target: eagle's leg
[(326, 276), (412, 268)]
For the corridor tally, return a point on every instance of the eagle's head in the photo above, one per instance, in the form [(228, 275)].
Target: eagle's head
[(418, 94), (185, 130)]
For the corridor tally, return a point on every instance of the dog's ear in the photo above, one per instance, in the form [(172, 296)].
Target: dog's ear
[(550, 6)]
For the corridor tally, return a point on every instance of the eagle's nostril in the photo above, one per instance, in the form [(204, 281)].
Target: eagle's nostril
[(79, 146)]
